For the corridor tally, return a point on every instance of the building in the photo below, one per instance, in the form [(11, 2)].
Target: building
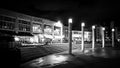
[(33, 30), (65, 33), (77, 36), (98, 34), (29, 29)]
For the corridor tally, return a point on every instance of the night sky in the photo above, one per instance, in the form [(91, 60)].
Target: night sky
[(90, 11)]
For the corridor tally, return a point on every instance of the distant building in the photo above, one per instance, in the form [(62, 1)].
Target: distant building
[(77, 36), (117, 37), (98, 34), (65, 33)]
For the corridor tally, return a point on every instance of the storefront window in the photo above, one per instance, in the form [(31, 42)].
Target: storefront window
[(48, 29), (23, 39), (75, 32), (24, 22), (5, 18), (56, 30), (37, 28), (7, 25), (24, 27), (7, 22)]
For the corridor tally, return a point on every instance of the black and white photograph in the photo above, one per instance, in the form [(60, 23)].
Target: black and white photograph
[(59, 33)]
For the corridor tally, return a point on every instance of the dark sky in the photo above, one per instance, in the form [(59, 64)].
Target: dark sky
[(89, 11)]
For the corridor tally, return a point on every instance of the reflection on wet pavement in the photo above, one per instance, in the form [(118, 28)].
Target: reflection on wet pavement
[(77, 58), (50, 60), (106, 53)]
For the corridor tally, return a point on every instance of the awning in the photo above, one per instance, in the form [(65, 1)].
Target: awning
[(48, 36), (59, 36)]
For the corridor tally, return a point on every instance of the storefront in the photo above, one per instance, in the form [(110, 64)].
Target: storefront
[(58, 32), (47, 29), (76, 36), (37, 32), (23, 39), (48, 33), (65, 33)]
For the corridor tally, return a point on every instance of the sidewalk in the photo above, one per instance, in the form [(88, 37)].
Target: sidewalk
[(78, 59)]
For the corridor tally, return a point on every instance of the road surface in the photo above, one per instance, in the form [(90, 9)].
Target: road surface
[(98, 58)]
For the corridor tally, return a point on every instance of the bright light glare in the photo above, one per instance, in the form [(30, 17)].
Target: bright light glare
[(58, 58), (40, 60), (93, 27), (16, 39), (118, 40), (113, 29), (103, 28), (34, 39), (83, 24), (85, 36), (59, 36), (59, 24), (31, 40), (70, 20), (86, 51), (37, 63)]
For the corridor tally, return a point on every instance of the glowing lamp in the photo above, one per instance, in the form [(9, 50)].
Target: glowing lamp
[(93, 27), (103, 28), (83, 24), (70, 20), (113, 30)]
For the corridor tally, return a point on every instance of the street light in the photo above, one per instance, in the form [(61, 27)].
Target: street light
[(103, 37), (113, 30), (93, 37), (70, 35), (70, 20), (82, 29)]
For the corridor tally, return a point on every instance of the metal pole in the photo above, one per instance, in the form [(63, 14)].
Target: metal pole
[(82, 43), (61, 33), (70, 36), (103, 39), (113, 38), (53, 33), (93, 37)]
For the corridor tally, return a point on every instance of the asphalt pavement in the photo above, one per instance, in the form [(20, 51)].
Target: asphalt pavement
[(97, 58), (32, 52)]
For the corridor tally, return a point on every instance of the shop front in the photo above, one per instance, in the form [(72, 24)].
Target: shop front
[(48, 33), (38, 36), (58, 36), (76, 37)]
